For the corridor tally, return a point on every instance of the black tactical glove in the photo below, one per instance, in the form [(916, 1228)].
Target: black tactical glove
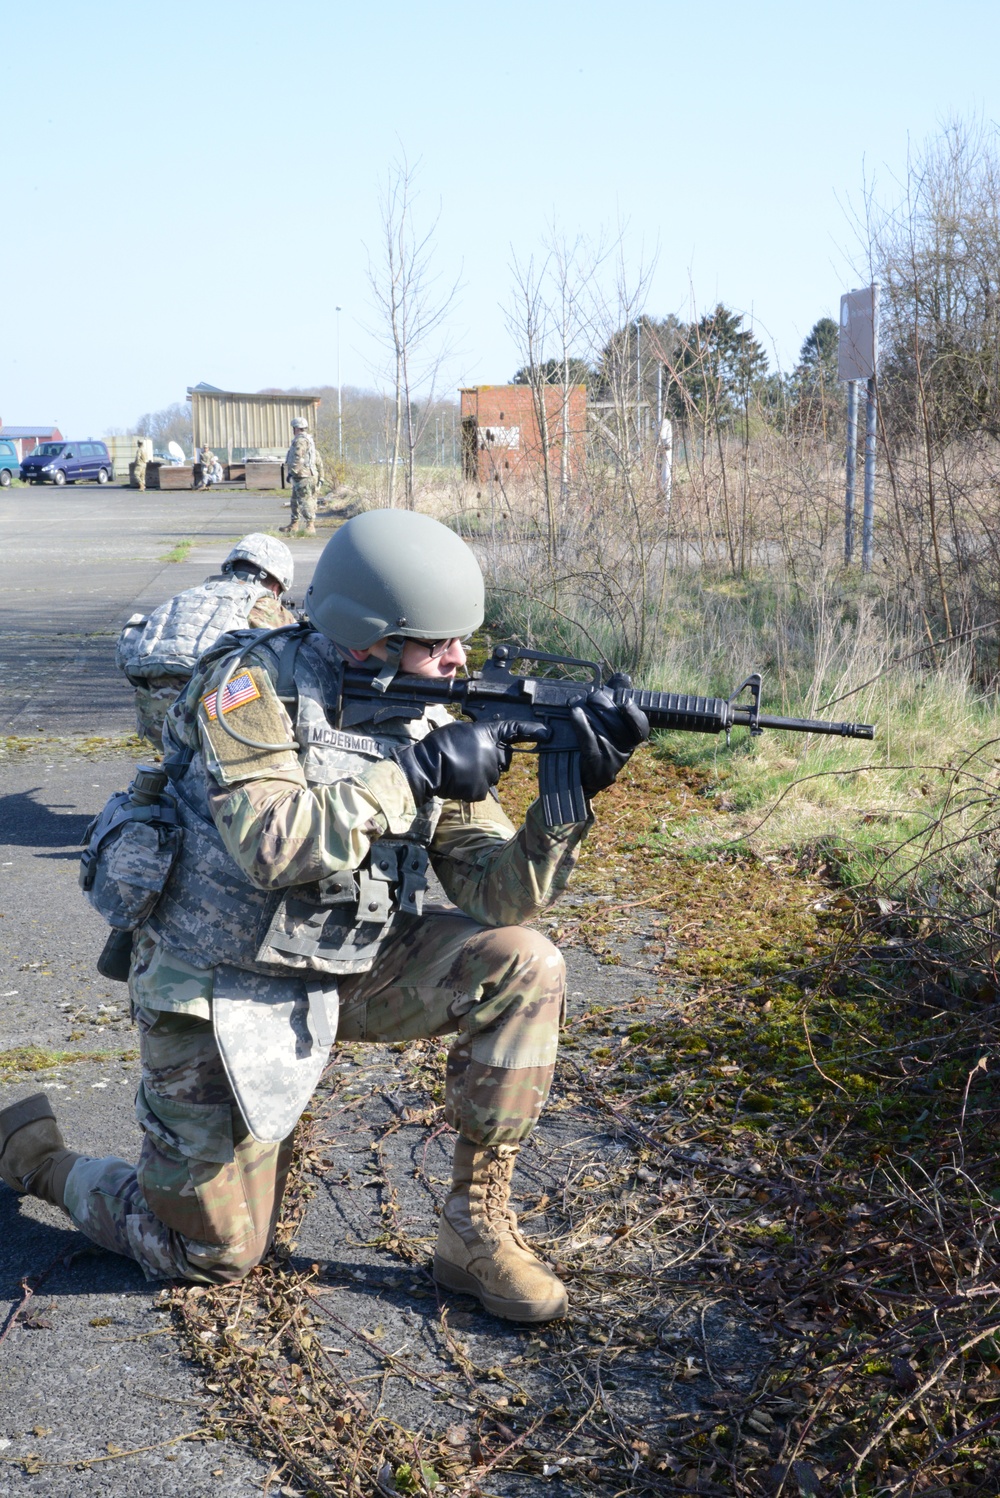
[(462, 761), (607, 736)]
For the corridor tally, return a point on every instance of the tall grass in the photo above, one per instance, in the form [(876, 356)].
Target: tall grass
[(655, 592)]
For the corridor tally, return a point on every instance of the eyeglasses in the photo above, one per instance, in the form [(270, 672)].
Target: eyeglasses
[(437, 648)]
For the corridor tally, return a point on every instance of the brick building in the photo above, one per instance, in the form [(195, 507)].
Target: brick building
[(501, 434)]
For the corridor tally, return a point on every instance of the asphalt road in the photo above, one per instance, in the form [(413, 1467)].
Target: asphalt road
[(77, 562), (93, 1383), (90, 1361)]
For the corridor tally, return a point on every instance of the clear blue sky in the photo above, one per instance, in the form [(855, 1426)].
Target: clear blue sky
[(188, 188)]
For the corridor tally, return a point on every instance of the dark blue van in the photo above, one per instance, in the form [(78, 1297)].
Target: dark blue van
[(65, 462)]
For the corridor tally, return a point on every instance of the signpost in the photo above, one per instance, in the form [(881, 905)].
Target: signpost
[(857, 361)]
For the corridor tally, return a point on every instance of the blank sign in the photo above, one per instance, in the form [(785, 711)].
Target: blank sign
[(858, 350)]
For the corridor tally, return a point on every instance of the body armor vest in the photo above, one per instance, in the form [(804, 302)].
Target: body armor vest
[(170, 641), (210, 913)]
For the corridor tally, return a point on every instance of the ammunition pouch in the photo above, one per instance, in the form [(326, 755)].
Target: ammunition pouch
[(336, 924), (129, 852)]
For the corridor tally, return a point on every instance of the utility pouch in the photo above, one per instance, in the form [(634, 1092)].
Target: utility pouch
[(129, 851), (115, 961)]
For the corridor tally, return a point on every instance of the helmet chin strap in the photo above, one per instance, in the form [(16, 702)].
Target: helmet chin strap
[(394, 647)]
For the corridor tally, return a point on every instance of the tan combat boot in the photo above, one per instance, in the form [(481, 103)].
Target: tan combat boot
[(33, 1156), (310, 530), (479, 1249), (286, 530)]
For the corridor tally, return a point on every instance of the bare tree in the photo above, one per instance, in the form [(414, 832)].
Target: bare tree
[(551, 319), (411, 311)]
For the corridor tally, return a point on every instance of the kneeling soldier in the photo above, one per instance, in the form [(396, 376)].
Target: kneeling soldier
[(294, 913)]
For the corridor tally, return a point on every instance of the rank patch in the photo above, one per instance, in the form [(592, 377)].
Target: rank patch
[(241, 689)]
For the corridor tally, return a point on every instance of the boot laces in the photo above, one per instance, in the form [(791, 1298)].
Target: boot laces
[(496, 1192)]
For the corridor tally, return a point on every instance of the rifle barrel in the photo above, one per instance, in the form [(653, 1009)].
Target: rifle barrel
[(691, 714), (819, 725)]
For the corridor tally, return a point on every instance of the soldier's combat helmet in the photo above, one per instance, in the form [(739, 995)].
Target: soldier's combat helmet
[(299, 424), (265, 552), (397, 574)]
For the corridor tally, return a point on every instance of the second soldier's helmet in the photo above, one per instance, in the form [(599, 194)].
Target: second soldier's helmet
[(392, 572), (265, 552), (299, 424)]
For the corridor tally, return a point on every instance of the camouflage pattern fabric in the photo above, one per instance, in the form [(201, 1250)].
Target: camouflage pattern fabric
[(282, 830), (303, 501), (304, 467), (302, 461), (500, 991), (154, 699), (203, 1202), (204, 1197)]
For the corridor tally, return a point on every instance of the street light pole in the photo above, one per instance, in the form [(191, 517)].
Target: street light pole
[(340, 407)]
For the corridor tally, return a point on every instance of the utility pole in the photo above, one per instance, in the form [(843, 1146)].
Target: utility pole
[(638, 385), (340, 406), (868, 517), (666, 461), (852, 460), (857, 360)]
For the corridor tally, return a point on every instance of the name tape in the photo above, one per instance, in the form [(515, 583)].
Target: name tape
[(335, 738)]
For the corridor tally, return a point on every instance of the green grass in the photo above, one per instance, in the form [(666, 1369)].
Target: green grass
[(911, 808), (179, 552)]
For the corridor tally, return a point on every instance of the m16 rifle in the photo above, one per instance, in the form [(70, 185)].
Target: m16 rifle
[(500, 693)]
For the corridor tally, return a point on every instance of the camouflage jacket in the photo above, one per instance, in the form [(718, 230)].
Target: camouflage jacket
[(302, 461), (155, 693), (288, 818)]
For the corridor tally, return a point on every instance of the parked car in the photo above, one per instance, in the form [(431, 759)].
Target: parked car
[(8, 462), (65, 462)]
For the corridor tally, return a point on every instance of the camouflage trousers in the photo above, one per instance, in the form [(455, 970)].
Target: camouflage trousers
[(203, 1202), (304, 501), (152, 703)]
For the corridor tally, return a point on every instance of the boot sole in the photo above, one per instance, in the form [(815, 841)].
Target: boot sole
[(453, 1278)]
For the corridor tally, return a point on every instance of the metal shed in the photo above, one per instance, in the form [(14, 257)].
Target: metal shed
[(238, 424)]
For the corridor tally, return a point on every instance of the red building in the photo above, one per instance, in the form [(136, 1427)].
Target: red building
[(26, 439), (502, 436)]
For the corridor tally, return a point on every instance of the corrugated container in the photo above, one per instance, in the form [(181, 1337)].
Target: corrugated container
[(122, 450), (233, 421)]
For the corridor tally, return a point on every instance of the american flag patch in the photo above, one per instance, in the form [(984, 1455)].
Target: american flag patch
[(241, 689)]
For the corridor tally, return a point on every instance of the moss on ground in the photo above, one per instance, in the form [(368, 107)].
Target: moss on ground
[(28, 1059)]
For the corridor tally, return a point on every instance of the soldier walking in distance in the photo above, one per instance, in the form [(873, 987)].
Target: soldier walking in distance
[(158, 653), (140, 464), (294, 913), (304, 467)]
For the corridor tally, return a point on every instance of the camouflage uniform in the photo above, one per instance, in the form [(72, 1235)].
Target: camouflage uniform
[(157, 693), (204, 1198), (140, 465), (209, 464), (304, 467)]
